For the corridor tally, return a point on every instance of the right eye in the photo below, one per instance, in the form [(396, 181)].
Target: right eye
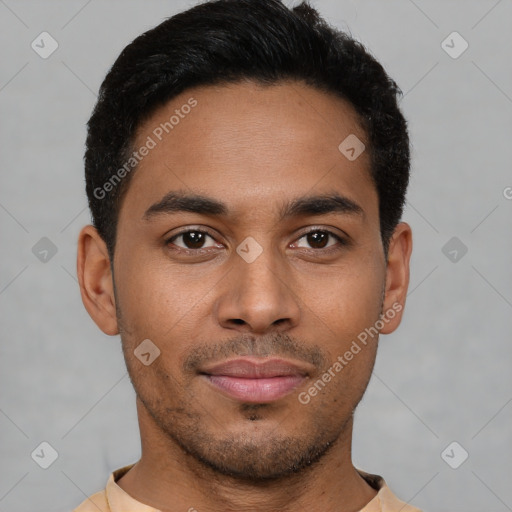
[(191, 240)]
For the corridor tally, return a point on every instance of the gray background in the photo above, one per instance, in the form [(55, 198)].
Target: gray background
[(443, 376)]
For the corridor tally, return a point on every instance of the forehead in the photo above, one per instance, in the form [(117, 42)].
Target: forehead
[(250, 144)]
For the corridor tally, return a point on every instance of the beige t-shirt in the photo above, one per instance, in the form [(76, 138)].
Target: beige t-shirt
[(115, 499)]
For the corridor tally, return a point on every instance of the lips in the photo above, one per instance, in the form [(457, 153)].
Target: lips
[(255, 380)]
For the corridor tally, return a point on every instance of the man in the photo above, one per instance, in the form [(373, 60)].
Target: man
[(246, 169)]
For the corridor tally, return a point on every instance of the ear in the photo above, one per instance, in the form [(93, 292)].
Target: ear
[(397, 276), (95, 280)]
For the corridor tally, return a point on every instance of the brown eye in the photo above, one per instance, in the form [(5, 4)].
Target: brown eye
[(191, 239), (319, 239)]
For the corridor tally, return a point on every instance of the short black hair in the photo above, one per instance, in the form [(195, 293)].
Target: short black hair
[(228, 41)]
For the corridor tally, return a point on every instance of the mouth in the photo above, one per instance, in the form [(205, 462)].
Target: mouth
[(256, 380)]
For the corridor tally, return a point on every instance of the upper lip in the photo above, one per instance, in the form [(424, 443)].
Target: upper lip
[(256, 368)]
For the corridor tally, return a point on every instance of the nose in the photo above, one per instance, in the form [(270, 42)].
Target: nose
[(258, 296)]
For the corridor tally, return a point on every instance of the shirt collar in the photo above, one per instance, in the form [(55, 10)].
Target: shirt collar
[(385, 501)]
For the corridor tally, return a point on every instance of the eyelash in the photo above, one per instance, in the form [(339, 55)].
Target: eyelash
[(341, 241)]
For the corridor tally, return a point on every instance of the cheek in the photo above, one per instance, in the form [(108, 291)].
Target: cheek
[(153, 298), (343, 302), (341, 324)]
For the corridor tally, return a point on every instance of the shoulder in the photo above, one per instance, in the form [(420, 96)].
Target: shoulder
[(95, 503), (391, 503), (99, 502), (385, 501)]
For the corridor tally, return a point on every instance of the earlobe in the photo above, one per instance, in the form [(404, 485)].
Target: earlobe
[(95, 280), (397, 276)]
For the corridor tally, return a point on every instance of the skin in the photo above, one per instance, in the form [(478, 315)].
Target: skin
[(254, 148)]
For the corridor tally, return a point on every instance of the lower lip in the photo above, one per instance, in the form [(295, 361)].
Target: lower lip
[(256, 390)]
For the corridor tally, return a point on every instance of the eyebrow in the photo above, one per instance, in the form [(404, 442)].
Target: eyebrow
[(303, 206)]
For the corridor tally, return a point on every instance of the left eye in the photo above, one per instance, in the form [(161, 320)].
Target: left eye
[(319, 239)]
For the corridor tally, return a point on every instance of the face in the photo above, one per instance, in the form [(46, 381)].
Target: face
[(249, 253)]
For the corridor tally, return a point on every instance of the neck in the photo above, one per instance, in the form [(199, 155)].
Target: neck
[(169, 479)]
